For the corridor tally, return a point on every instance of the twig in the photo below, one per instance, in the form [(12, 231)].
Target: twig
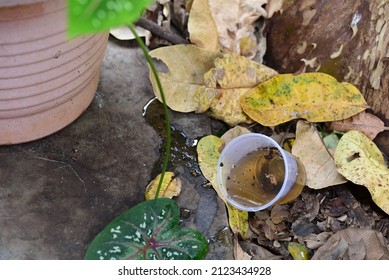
[(157, 30)]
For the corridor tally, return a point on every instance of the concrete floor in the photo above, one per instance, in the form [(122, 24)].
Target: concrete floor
[(57, 193)]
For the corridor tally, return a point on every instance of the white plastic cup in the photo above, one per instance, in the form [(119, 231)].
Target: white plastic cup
[(239, 148)]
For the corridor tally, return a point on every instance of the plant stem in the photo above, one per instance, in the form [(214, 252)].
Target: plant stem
[(165, 109)]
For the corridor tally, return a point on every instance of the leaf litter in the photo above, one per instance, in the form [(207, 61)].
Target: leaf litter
[(323, 217)]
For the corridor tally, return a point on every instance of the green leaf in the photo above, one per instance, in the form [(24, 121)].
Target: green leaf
[(298, 251), (92, 16), (148, 231)]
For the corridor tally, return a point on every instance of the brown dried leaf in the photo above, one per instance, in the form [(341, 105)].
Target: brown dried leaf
[(239, 254), (367, 123), (319, 165), (235, 24), (233, 133), (200, 19), (258, 252), (354, 243), (314, 241), (273, 6)]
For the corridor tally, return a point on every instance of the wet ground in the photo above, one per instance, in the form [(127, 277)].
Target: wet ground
[(57, 193)]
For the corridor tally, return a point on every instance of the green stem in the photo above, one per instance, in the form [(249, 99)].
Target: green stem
[(165, 109)]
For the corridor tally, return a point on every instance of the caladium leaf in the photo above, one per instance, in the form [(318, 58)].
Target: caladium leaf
[(148, 231)]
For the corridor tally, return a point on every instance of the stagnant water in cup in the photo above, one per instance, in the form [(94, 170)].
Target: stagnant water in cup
[(256, 178)]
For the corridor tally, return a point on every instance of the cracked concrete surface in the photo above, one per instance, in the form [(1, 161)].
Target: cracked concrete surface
[(57, 193)]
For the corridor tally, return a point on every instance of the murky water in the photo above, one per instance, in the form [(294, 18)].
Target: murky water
[(182, 151)]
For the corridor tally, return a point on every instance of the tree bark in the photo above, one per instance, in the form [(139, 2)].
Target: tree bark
[(345, 38)]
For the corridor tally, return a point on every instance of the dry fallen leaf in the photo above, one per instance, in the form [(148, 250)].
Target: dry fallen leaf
[(235, 23), (316, 97), (171, 186), (124, 33), (319, 165), (239, 254), (186, 65), (314, 241), (233, 133), (258, 252), (224, 85), (273, 6), (367, 123), (200, 19), (354, 244), (360, 161), (208, 150)]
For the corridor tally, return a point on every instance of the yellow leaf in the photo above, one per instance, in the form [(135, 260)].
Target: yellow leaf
[(238, 220), (208, 151), (319, 165), (186, 65), (316, 97), (171, 186), (360, 161), (200, 19), (225, 84)]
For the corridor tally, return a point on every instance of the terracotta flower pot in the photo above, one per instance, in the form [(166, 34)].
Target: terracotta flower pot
[(46, 81)]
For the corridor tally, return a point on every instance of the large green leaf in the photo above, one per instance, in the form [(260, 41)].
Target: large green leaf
[(149, 230), (91, 16)]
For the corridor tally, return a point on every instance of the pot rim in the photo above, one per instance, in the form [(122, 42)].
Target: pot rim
[(10, 3)]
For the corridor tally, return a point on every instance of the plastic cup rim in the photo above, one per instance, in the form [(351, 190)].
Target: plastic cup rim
[(279, 195)]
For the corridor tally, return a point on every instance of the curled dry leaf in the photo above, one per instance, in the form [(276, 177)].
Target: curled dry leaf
[(171, 186), (208, 151), (316, 97), (319, 165), (186, 65), (367, 123), (235, 24), (359, 160), (273, 6), (200, 19), (225, 84)]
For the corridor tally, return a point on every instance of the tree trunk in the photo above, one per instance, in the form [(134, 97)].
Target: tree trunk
[(345, 38)]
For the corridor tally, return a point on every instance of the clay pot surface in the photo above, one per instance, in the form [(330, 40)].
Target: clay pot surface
[(46, 80)]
